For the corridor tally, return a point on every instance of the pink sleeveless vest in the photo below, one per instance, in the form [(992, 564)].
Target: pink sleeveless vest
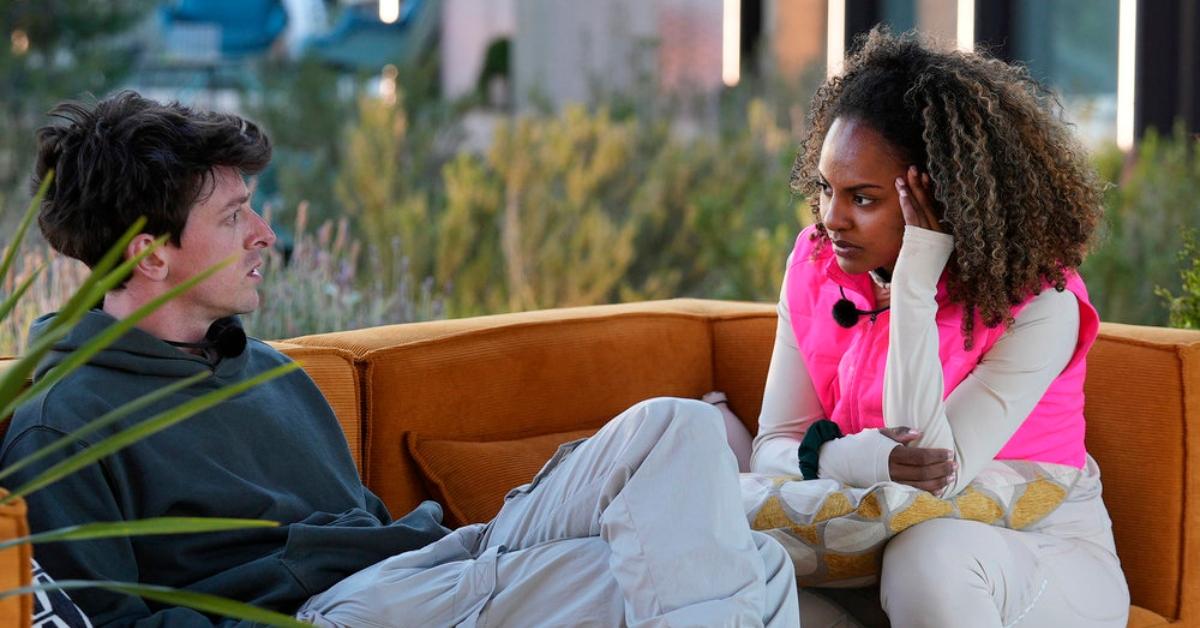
[(847, 365)]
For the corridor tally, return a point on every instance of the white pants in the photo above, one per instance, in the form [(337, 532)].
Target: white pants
[(941, 571), (947, 572), (641, 525)]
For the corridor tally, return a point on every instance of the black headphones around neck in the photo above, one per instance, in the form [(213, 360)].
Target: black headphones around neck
[(225, 337)]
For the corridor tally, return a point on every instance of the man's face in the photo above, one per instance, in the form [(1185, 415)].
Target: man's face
[(221, 224)]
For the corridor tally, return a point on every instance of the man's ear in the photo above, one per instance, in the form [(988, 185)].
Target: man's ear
[(155, 265)]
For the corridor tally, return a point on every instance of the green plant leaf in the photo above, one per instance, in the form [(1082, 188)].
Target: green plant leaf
[(12, 299), (108, 418), (202, 602), (10, 253), (142, 430), (140, 527), (100, 341)]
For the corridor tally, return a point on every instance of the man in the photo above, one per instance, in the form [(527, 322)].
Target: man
[(594, 539)]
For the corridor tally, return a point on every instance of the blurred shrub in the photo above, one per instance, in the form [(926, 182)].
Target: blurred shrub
[(1185, 309), (579, 208), (304, 110), (52, 51), (319, 287), (59, 279), (1156, 197)]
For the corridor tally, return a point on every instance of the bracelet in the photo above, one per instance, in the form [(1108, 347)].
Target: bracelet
[(809, 452)]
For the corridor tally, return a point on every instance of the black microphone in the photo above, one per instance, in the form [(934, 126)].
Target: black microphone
[(225, 337), (847, 314)]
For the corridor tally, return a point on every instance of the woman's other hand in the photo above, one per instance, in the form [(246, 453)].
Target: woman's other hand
[(927, 469), (916, 200)]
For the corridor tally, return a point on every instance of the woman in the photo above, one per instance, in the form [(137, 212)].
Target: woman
[(932, 321)]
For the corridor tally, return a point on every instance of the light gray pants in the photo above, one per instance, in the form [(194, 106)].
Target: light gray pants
[(641, 524)]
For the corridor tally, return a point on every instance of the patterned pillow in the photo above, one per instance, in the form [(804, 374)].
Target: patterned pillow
[(835, 534), (54, 609)]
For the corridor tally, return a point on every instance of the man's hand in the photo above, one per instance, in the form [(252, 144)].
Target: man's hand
[(927, 469)]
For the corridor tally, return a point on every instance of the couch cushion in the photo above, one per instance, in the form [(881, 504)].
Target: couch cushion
[(15, 565), (1143, 445), (333, 371), (1142, 618), (471, 478)]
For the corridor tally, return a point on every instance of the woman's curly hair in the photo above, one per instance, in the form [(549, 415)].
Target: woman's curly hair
[(1012, 184)]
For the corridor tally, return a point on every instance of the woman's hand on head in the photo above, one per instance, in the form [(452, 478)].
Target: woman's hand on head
[(927, 469), (916, 200)]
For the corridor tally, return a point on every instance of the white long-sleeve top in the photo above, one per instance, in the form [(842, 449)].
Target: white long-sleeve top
[(977, 418)]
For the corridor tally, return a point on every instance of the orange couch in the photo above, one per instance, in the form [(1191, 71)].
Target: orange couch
[(461, 410)]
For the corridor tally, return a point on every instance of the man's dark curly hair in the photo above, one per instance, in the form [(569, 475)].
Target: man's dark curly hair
[(1012, 184), (128, 156)]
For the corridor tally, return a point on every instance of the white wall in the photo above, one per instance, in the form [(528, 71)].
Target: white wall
[(565, 49)]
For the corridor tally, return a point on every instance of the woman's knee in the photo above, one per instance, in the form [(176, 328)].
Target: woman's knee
[(774, 557), (675, 415), (936, 555), (940, 569)]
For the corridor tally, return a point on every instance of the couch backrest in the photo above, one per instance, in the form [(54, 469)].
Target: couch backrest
[(1143, 428), (518, 375), (334, 371)]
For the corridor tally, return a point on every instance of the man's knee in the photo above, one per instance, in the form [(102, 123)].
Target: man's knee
[(674, 414)]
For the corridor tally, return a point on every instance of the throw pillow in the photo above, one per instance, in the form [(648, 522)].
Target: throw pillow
[(471, 478), (835, 534)]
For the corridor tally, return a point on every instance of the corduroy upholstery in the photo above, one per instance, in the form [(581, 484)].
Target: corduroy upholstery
[(334, 372), (471, 478), (16, 569)]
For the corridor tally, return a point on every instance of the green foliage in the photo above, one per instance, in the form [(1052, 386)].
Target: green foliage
[(304, 112), (1156, 196), (578, 208), (387, 183), (74, 47), (1185, 308), (321, 286)]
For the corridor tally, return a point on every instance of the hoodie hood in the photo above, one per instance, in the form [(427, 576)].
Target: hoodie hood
[(135, 352)]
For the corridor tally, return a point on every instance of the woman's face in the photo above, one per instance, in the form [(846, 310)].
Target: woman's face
[(859, 203)]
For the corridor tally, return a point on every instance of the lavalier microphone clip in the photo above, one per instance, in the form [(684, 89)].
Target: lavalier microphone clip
[(847, 314)]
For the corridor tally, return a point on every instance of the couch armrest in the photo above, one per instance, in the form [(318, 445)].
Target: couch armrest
[(1143, 428)]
